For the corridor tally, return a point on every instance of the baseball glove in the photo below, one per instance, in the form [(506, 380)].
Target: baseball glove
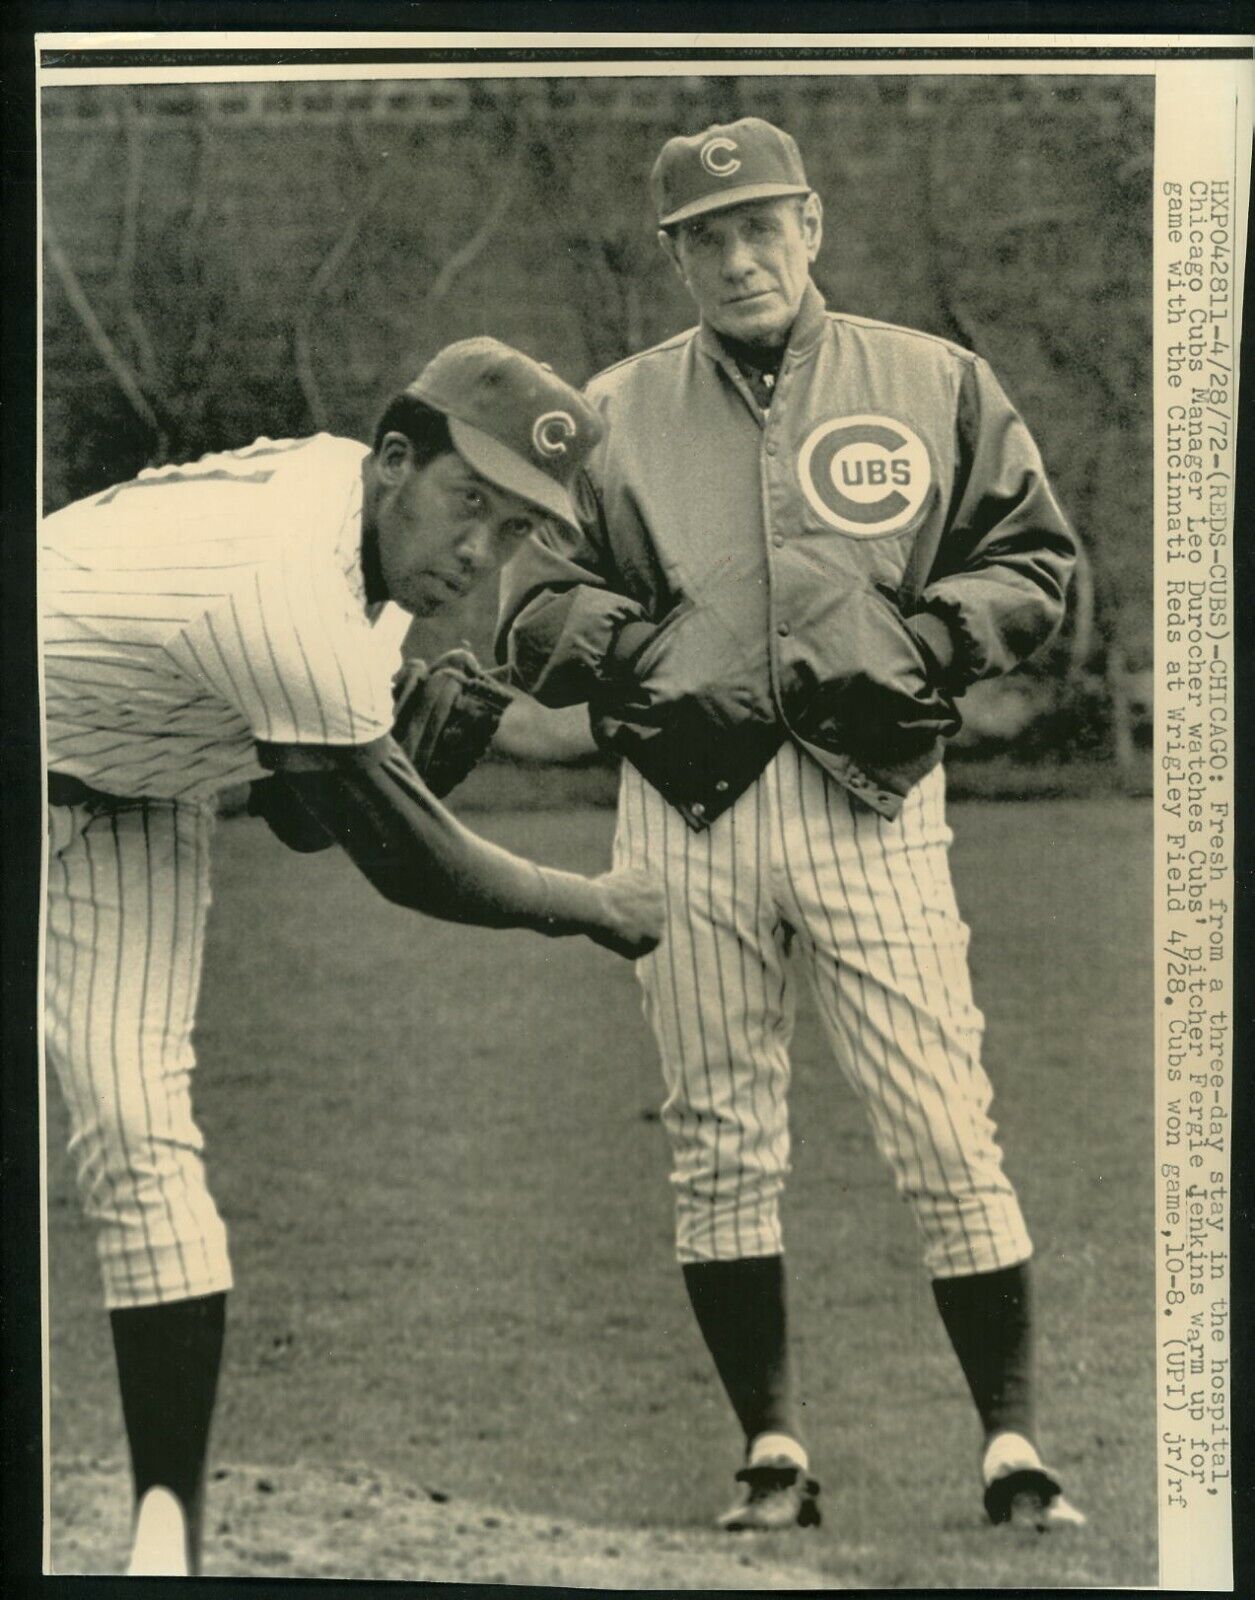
[(444, 716)]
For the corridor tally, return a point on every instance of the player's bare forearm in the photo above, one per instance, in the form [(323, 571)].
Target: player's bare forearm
[(419, 856)]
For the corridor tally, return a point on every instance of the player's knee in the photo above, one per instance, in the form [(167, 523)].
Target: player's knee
[(144, 1191), (126, 1151)]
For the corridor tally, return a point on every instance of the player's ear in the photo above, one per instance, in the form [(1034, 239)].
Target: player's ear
[(812, 224), (394, 457), (672, 252)]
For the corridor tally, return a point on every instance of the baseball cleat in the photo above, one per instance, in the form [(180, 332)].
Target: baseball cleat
[(776, 1494), (1031, 1500), (1058, 1514), (159, 1545), (1021, 1493)]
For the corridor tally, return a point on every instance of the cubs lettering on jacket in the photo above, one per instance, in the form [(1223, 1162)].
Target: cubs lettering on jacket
[(804, 562)]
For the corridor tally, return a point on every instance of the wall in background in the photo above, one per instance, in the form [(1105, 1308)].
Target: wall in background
[(225, 261)]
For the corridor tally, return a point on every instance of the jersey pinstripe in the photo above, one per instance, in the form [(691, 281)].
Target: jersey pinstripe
[(128, 895), (198, 608), (870, 906), (187, 613)]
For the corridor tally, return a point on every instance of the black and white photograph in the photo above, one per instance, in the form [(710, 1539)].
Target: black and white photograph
[(600, 672)]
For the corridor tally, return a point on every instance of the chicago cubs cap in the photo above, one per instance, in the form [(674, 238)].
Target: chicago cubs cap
[(512, 419), (725, 165)]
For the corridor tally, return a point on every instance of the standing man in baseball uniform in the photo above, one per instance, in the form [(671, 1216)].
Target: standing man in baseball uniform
[(805, 534), (215, 623)]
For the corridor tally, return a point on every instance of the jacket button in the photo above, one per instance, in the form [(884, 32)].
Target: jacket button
[(722, 786), (698, 809), (783, 630), (771, 447), (778, 541)]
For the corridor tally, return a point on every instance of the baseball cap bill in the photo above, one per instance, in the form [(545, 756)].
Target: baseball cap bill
[(725, 165), (512, 419)]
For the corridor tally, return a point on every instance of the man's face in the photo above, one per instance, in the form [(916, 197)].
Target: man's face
[(747, 267), (441, 528)]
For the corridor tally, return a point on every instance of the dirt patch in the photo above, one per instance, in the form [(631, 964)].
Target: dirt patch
[(348, 1522)]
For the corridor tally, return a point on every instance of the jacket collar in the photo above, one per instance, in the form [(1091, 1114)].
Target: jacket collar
[(807, 326)]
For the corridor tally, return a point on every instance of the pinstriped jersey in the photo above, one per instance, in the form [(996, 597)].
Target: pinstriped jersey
[(198, 608)]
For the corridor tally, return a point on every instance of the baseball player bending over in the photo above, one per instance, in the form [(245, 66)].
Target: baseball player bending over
[(214, 623), (807, 534)]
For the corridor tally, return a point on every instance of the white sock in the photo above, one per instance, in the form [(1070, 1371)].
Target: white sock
[(771, 1446), (160, 1543), (1008, 1452)]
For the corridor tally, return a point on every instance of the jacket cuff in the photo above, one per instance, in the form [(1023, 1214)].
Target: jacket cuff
[(629, 640), (937, 643)]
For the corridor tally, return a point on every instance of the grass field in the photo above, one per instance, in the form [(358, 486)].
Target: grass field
[(438, 1153)]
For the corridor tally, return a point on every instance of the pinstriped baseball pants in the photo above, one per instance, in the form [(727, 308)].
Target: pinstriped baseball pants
[(128, 893), (868, 905)]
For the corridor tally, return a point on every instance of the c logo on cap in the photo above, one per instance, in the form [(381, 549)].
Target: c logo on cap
[(551, 431), (719, 159), (864, 476)]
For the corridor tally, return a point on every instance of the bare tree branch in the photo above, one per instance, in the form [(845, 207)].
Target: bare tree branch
[(122, 373), (128, 248), (365, 154), (475, 246), (199, 210), (303, 365), (128, 236), (466, 254), (1074, 361), (192, 254), (1042, 217), (330, 265), (1081, 597), (939, 275), (1118, 684), (633, 315)]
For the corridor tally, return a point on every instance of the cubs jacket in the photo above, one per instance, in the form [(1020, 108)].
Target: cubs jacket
[(835, 569)]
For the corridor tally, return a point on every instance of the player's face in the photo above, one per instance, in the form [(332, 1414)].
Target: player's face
[(442, 528), (747, 267)]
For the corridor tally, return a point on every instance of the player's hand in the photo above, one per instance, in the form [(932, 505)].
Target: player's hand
[(633, 906)]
